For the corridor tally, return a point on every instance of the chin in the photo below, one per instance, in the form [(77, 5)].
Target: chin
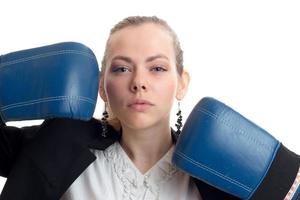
[(139, 124)]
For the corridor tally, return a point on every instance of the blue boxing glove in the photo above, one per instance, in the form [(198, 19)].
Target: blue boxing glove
[(224, 149), (59, 80)]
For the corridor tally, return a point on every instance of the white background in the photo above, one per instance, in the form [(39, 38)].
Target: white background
[(244, 53)]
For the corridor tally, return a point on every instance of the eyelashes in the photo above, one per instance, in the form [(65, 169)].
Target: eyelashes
[(119, 69), (123, 69), (161, 69)]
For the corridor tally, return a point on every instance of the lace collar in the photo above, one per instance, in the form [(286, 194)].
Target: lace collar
[(134, 182)]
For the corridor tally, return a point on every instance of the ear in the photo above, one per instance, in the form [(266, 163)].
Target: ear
[(101, 89), (183, 84)]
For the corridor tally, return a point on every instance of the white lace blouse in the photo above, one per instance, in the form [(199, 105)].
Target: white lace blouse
[(113, 176)]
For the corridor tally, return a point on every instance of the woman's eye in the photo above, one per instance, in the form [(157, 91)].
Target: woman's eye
[(120, 69), (159, 69)]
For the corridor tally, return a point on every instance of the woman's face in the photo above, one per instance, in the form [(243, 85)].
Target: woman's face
[(141, 67)]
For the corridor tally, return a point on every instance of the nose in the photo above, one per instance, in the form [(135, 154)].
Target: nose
[(138, 83), (137, 88)]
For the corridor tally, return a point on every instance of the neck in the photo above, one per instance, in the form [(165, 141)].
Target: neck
[(146, 146)]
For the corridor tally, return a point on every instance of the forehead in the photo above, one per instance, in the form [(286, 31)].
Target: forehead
[(147, 38)]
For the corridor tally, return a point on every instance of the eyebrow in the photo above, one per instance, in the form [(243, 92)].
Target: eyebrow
[(149, 59)]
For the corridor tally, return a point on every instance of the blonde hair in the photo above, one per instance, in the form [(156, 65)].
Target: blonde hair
[(136, 21)]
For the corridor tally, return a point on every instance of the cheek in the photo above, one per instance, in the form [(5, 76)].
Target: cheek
[(166, 89), (114, 90)]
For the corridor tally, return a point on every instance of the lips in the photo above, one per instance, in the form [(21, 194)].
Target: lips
[(140, 105), (140, 102)]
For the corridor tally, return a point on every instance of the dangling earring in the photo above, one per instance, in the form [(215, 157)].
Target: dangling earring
[(104, 122), (179, 120)]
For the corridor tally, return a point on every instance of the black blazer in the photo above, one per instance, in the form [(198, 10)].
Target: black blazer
[(41, 162)]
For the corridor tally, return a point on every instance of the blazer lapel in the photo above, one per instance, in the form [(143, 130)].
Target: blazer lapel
[(54, 158)]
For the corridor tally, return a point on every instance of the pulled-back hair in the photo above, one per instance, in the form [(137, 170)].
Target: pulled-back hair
[(137, 21)]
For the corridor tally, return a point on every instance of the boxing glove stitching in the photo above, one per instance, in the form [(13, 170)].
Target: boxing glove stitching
[(53, 53), (208, 112), (219, 174), (42, 100), (242, 133), (227, 123)]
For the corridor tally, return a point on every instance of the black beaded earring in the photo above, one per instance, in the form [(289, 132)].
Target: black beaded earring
[(179, 120), (104, 122)]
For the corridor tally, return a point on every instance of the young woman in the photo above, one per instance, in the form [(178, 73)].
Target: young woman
[(127, 154), (142, 74)]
